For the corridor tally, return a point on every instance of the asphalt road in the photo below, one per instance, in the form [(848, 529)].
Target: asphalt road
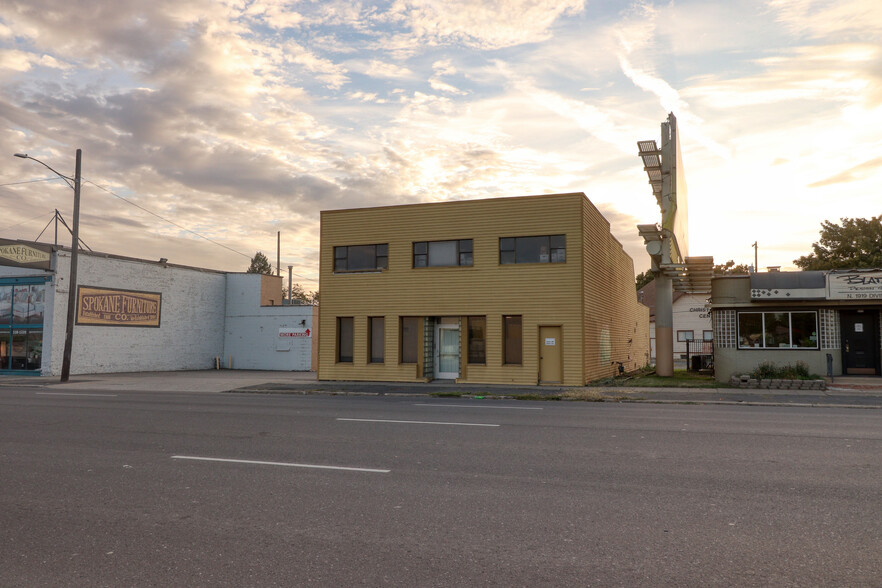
[(125, 489)]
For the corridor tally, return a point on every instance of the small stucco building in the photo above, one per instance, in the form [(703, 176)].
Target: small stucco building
[(520, 290), (809, 316), (142, 315)]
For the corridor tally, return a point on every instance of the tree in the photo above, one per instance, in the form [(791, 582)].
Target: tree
[(644, 278), (260, 265), (300, 295), (855, 244), (729, 268)]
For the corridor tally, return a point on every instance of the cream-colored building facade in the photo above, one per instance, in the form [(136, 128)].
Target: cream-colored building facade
[(520, 290)]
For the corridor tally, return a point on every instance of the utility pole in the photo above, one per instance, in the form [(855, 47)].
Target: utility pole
[(75, 183), (290, 274), (72, 294), (755, 256), (279, 253)]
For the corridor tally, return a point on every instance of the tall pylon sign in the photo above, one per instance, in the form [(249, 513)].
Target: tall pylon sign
[(668, 241)]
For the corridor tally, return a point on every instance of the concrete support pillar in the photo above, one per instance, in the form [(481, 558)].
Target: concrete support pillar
[(664, 326)]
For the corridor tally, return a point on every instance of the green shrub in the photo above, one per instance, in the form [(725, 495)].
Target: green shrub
[(767, 370)]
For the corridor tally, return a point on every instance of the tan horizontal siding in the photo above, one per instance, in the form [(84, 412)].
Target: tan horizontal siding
[(616, 325), (543, 294)]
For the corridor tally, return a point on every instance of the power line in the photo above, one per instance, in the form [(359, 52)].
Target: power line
[(126, 200), (23, 222), (30, 182)]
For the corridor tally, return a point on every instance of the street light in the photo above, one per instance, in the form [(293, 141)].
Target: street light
[(74, 183)]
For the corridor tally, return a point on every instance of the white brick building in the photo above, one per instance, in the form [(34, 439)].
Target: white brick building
[(140, 315)]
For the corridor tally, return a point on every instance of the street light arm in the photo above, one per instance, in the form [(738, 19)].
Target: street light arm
[(69, 180)]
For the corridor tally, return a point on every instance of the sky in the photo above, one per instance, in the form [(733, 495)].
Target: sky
[(207, 127)]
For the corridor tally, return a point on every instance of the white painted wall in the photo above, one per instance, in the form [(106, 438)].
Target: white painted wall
[(191, 332), (251, 335), (691, 312)]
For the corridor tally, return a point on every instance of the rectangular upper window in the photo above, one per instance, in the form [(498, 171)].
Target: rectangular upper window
[(778, 329), (685, 336), (543, 249), (361, 258), (442, 253)]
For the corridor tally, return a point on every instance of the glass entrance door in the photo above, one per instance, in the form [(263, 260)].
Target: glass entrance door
[(447, 352)]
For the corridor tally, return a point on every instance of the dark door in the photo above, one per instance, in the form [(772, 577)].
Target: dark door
[(860, 343)]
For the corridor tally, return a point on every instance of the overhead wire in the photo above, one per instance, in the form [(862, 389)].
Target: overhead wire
[(30, 182), (25, 221), (150, 212)]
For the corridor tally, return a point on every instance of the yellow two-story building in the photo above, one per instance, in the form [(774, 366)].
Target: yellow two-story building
[(523, 290)]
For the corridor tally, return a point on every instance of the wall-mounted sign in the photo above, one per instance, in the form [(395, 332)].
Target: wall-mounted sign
[(19, 254), (285, 333), (550, 341), (854, 285), (107, 307), (859, 327), (286, 338)]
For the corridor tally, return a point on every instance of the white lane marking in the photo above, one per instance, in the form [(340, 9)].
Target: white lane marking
[(73, 394), (280, 463), (476, 406), (419, 422)]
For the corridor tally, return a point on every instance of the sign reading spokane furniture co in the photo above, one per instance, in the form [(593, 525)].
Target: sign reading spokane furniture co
[(117, 308), (854, 285), (20, 254)]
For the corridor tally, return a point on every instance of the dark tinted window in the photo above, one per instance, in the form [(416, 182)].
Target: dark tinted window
[(354, 258), (344, 339), (513, 336), (410, 328), (378, 339), (477, 339), (442, 253), (540, 249)]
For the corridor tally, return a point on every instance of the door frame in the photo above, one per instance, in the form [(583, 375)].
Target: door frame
[(870, 316), (439, 375), (559, 345)]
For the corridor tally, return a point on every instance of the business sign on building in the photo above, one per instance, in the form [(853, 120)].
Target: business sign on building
[(855, 285), (287, 335), (17, 254), (107, 307)]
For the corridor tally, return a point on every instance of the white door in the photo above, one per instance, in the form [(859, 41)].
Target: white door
[(447, 352)]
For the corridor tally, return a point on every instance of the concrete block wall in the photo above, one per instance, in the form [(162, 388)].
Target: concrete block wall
[(191, 332), (252, 332)]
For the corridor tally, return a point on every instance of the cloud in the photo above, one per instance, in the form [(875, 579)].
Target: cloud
[(856, 173), (379, 69), (443, 68), (490, 24), (819, 19)]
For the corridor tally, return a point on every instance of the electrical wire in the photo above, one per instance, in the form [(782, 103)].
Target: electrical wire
[(150, 212), (30, 182), (24, 222)]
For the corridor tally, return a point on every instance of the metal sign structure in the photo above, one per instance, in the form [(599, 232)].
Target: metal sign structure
[(668, 243)]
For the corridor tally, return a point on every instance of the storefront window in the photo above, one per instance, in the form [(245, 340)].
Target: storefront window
[(769, 330), (5, 305), (36, 304), (22, 312)]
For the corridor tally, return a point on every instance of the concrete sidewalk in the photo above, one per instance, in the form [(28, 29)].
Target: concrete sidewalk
[(852, 392)]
